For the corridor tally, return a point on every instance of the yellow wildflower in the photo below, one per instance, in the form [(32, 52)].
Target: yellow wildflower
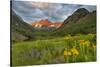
[(69, 53), (65, 53), (94, 46), (74, 51), (84, 43)]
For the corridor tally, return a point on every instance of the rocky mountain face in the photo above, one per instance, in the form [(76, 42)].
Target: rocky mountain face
[(46, 24)]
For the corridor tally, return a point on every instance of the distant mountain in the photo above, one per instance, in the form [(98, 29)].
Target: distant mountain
[(46, 24), (41, 23), (81, 21), (20, 29)]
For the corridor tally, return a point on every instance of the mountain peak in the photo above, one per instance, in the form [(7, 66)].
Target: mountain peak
[(81, 10), (44, 22), (77, 15)]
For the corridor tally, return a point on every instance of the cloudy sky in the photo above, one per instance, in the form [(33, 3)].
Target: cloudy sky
[(31, 11)]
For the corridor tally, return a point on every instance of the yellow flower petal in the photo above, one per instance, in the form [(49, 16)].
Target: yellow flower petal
[(74, 51)]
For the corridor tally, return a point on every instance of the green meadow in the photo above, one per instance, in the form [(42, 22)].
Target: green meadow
[(67, 49)]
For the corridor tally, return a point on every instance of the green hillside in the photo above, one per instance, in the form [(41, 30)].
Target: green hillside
[(20, 29), (84, 25), (78, 14)]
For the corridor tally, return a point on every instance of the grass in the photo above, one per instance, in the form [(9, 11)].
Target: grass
[(67, 49)]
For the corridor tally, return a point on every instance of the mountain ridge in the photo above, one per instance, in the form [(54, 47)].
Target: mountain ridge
[(46, 23), (71, 25)]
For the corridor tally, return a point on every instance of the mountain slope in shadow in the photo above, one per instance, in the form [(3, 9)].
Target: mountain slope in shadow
[(20, 30), (80, 22)]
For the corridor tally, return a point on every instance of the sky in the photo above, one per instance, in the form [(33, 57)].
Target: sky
[(31, 11)]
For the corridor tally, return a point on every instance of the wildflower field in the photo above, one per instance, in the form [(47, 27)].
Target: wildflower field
[(67, 49)]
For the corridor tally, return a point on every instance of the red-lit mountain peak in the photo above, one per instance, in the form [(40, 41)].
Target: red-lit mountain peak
[(45, 22)]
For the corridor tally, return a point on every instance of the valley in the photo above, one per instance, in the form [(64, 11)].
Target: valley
[(47, 42)]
